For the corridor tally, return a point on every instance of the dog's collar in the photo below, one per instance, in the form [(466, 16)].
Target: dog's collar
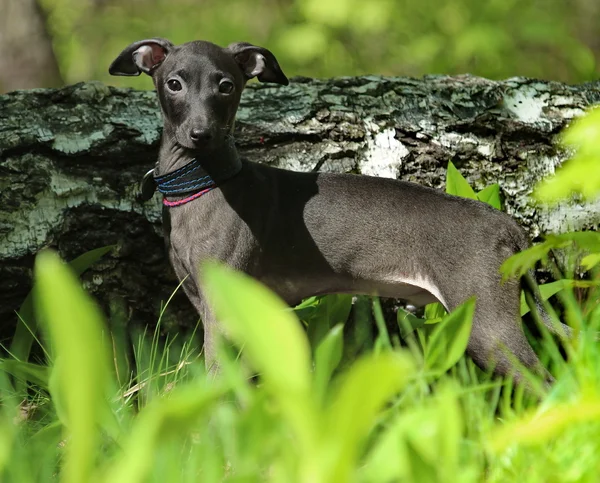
[(191, 181)]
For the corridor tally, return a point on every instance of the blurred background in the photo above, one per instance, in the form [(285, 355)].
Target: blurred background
[(54, 42)]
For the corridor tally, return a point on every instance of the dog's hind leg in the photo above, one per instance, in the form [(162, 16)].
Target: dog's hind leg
[(497, 338)]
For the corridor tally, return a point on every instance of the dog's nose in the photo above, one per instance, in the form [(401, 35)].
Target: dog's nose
[(199, 135)]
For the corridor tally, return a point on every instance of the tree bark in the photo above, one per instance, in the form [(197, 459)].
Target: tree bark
[(71, 160)]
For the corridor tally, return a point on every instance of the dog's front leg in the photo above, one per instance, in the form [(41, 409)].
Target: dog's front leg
[(211, 335), (209, 321), (209, 324)]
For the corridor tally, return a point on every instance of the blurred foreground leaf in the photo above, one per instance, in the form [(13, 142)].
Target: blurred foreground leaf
[(80, 368), (581, 174), (27, 323)]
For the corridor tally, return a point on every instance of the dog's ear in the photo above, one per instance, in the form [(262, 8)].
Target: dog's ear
[(143, 56), (257, 62)]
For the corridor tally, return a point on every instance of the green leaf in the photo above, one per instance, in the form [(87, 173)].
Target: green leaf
[(420, 470), (273, 340), (581, 174), (81, 364), (491, 196), (383, 337), (26, 371), (590, 261), (160, 421), (522, 262), (369, 383), (422, 443), (27, 324), (359, 337), (327, 357), (585, 240), (307, 309), (257, 319), (7, 439), (457, 185), (434, 313), (546, 291), (331, 310), (449, 338), (408, 323), (540, 427)]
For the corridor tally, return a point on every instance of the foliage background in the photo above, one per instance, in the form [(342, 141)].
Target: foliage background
[(550, 39)]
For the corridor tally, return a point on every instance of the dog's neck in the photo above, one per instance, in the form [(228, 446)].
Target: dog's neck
[(183, 175), (218, 162)]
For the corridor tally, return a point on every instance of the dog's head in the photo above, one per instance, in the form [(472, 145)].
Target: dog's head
[(199, 84)]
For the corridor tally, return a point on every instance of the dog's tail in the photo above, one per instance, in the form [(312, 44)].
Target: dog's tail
[(536, 304), (534, 298)]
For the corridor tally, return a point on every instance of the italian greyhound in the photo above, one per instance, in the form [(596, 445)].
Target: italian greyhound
[(304, 234)]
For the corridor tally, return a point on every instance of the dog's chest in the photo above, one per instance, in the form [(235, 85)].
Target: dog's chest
[(195, 234)]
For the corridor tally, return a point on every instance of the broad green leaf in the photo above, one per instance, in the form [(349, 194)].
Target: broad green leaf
[(584, 240), (491, 196), (383, 338), (258, 320), (306, 309), (331, 310), (308, 302), (547, 290), (327, 357), (521, 262), (273, 340), (421, 443), (26, 371), (75, 328), (407, 322), (581, 174), (434, 313), (55, 388), (590, 261), (8, 427), (360, 333), (7, 434), (27, 324), (540, 429), (457, 185), (369, 383), (80, 264), (162, 420), (449, 339), (420, 470)]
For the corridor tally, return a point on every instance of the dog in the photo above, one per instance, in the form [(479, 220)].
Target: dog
[(305, 234)]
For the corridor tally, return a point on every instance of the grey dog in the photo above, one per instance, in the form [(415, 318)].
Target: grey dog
[(304, 234)]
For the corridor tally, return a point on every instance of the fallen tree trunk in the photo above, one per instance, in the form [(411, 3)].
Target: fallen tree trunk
[(71, 160)]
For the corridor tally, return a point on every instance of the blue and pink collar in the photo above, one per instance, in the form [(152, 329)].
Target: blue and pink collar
[(191, 181)]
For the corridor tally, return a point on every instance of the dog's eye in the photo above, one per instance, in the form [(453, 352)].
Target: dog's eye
[(226, 86), (174, 85)]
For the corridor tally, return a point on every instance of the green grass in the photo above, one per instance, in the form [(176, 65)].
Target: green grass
[(417, 412)]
